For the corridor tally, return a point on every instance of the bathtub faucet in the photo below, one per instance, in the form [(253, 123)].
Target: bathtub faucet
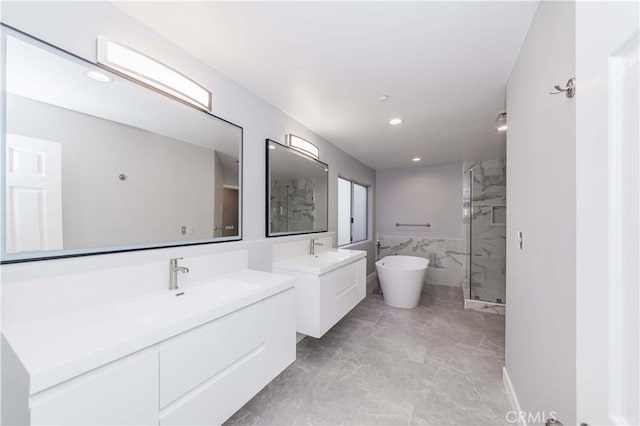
[(312, 246)]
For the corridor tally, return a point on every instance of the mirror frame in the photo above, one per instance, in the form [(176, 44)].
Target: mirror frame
[(268, 232), (11, 258)]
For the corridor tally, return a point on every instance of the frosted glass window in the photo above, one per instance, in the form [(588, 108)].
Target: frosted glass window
[(359, 213), (352, 212), (344, 212)]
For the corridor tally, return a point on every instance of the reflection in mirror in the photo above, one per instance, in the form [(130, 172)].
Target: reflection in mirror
[(297, 185), (98, 163)]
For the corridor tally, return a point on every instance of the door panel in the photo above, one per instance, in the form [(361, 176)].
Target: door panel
[(608, 200), (34, 194), (230, 212)]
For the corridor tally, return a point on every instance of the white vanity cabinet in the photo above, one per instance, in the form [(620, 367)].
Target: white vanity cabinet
[(196, 375), (124, 392), (328, 286)]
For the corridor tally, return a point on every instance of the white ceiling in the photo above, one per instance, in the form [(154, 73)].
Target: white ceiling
[(443, 64)]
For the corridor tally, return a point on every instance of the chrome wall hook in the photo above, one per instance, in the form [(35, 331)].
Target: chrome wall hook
[(569, 91)]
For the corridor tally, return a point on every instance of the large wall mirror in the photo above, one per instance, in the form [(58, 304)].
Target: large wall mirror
[(97, 163), (297, 201)]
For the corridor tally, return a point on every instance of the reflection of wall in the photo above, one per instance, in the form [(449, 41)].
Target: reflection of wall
[(218, 197), (164, 177), (230, 212), (293, 207), (485, 241)]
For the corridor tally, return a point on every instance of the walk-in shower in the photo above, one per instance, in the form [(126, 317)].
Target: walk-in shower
[(485, 233)]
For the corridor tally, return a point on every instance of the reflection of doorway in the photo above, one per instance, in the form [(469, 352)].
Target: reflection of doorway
[(230, 212), (34, 194)]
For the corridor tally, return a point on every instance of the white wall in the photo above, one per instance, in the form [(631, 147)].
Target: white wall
[(74, 26), (430, 194), (541, 279)]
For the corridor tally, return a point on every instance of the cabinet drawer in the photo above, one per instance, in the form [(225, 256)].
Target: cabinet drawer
[(197, 355), (348, 299), (124, 392), (352, 295), (342, 278), (216, 401)]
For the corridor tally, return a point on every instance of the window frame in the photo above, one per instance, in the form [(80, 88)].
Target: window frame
[(353, 182)]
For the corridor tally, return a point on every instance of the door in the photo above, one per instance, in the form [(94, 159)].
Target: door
[(230, 212), (608, 212), (34, 194)]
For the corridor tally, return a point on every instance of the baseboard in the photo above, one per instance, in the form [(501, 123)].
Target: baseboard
[(511, 395)]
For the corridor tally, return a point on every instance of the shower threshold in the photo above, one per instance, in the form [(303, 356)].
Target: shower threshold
[(482, 306)]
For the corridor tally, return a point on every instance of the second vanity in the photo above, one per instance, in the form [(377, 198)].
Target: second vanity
[(329, 284), (189, 356)]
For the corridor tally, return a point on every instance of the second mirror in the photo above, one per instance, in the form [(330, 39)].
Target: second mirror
[(297, 184)]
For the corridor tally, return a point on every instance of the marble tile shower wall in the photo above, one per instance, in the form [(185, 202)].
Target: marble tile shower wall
[(485, 198), (292, 205), (447, 257)]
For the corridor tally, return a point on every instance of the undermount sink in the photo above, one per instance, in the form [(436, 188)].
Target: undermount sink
[(320, 263), (184, 302)]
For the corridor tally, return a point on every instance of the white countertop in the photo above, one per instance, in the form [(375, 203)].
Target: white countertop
[(63, 346), (321, 263)]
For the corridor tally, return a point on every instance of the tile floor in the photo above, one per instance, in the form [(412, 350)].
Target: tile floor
[(435, 364)]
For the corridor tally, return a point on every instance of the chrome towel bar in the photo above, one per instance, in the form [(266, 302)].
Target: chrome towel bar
[(428, 225)]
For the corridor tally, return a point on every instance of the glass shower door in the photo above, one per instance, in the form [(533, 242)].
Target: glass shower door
[(487, 231)]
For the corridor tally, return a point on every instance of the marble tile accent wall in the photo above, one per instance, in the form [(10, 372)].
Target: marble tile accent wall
[(292, 205), (447, 258), (484, 196)]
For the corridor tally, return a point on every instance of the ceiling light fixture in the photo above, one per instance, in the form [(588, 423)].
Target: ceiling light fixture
[(395, 121), (152, 73), (501, 121), (98, 76), (383, 97), (272, 147), (415, 159)]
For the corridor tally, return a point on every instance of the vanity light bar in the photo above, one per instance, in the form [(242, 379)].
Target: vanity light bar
[(152, 73), (303, 146)]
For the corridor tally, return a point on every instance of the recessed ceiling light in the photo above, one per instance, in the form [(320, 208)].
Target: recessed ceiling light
[(98, 76), (502, 128), (383, 97), (395, 121), (272, 147), (415, 159)]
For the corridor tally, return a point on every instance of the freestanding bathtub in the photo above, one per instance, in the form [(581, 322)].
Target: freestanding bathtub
[(401, 278)]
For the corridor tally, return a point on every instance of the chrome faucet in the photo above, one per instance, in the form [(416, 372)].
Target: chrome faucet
[(312, 246), (173, 272)]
